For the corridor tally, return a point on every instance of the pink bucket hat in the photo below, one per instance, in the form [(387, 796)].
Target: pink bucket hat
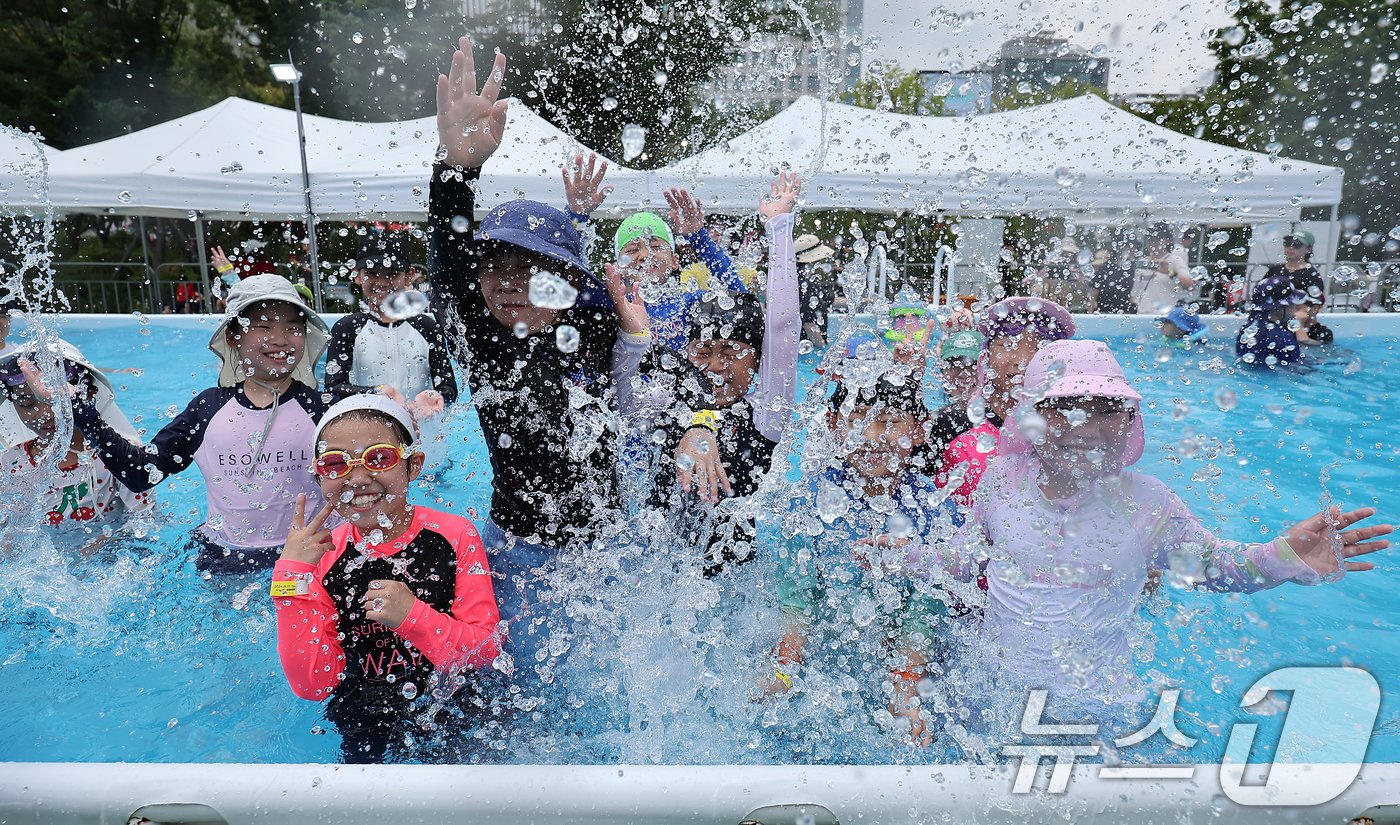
[(1086, 368)]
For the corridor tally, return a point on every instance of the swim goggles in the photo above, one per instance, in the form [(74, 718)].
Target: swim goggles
[(377, 458)]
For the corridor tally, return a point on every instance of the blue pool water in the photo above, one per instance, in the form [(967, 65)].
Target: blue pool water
[(132, 657)]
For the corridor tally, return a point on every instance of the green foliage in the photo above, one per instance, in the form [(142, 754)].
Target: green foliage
[(1313, 82), (895, 90), (1064, 90)]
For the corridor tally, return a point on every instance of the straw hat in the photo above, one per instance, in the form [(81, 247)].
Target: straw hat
[(810, 249)]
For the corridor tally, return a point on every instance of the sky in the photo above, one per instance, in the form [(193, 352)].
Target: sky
[(1155, 47)]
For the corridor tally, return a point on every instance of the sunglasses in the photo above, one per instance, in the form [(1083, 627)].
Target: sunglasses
[(377, 458), (1294, 242)]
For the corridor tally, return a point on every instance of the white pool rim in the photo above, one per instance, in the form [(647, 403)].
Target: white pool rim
[(33, 793)]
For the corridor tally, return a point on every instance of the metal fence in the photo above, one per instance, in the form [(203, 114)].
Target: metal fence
[(124, 288)]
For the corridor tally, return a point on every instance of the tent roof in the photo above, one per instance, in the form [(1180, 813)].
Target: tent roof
[(1079, 155), (238, 159)]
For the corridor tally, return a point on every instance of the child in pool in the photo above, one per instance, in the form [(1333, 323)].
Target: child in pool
[(1069, 534), (1013, 331), (369, 611), (1182, 326), (403, 358), (84, 493), (1266, 340), (1310, 332), (875, 433), (248, 435), (721, 439)]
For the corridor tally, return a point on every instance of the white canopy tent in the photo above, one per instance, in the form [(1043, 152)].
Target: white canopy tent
[(238, 160), (1081, 156)]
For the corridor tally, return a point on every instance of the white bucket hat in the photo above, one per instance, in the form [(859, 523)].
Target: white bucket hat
[(256, 289), (12, 429)]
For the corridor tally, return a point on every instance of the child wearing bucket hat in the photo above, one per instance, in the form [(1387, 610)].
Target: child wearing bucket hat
[(247, 435), (80, 493), (1069, 533), (1013, 331), (369, 611), (1265, 340), (541, 340)]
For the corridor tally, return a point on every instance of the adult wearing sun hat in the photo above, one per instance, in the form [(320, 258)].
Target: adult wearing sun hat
[(816, 286)]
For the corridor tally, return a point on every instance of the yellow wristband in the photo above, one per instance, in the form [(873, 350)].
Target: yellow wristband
[(708, 419), (225, 268), (782, 677), (289, 587)]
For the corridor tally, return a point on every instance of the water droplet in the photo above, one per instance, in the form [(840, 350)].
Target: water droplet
[(550, 291), (659, 78), (124, 197), (504, 441), (805, 347), (357, 38), (405, 304), (832, 502), (231, 168), (409, 690), (1310, 123), (566, 338), (1344, 143), (1226, 399), (460, 224), (1379, 71), (609, 103), (629, 35), (521, 329)]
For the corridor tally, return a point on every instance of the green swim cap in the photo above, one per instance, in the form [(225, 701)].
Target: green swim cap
[(641, 225)]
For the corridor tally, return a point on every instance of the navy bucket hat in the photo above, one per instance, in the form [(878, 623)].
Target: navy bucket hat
[(538, 228)]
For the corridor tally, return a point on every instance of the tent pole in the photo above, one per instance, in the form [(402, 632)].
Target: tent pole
[(306, 190), (1332, 264), (152, 276), (203, 261)]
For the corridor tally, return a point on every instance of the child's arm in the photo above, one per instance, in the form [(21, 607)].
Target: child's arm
[(689, 220), (439, 362), (633, 339), (470, 634), (782, 320), (471, 126), (171, 451), (1189, 554), (308, 641), (584, 192), (340, 358)]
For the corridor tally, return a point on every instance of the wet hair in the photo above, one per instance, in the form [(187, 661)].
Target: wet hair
[(742, 321)]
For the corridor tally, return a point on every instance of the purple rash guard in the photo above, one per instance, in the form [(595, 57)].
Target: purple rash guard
[(218, 432)]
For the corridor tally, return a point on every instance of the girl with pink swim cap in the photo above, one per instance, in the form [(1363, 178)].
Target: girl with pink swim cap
[(1069, 533)]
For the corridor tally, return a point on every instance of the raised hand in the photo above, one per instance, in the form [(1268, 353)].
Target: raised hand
[(782, 196), (470, 124), (1313, 539), (427, 404), (219, 259), (627, 302), (698, 467), (388, 602), (583, 187), (308, 542), (686, 215)]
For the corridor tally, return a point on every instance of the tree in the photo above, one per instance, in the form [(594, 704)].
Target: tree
[(895, 90), (1064, 89), (1313, 82)]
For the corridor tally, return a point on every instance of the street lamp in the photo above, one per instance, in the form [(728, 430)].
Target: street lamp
[(287, 73)]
